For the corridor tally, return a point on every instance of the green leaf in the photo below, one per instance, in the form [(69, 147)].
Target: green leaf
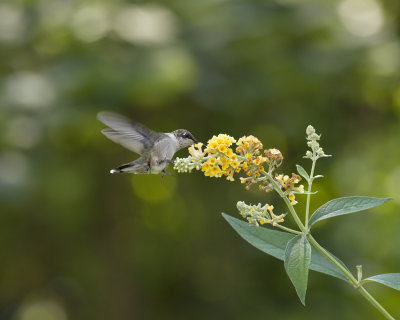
[(391, 280), (297, 262), (302, 172), (340, 206), (274, 243)]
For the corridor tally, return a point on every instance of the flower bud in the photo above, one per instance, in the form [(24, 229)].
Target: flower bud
[(310, 130)]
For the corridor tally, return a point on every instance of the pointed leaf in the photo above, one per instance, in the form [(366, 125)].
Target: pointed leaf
[(274, 243), (297, 262), (340, 206), (302, 172), (391, 280)]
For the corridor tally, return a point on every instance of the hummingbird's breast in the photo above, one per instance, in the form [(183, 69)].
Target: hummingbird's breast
[(162, 153)]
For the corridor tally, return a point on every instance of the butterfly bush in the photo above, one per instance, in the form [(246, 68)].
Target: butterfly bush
[(225, 157)]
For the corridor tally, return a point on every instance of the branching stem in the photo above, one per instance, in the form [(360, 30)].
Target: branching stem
[(304, 230)]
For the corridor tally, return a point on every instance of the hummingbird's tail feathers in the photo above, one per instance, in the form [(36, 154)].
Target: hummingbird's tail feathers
[(132, 167)]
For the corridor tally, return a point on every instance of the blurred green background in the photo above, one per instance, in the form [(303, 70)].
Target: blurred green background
[(79, 243)]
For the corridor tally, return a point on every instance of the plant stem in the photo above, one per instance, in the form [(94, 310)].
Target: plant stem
[(284, 197), (336, 263), (288, 229), (309, 190), (304, 230), (351, 278), (375, 303)]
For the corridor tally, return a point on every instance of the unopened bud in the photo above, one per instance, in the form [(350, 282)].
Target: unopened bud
[(310, 130)]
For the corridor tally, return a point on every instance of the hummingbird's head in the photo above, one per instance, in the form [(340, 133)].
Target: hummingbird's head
[(185, 138)]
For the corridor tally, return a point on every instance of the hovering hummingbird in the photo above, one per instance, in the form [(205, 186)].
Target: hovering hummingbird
[(155, 149)]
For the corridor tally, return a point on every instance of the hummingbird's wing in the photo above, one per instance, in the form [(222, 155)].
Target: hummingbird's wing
[(130, 134)]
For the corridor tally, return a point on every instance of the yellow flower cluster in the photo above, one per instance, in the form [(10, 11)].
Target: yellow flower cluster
[(287, 185), (221, 158), (248, 145), (274, 157)]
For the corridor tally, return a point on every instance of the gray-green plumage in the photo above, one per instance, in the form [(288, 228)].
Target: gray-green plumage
[(155, 149)]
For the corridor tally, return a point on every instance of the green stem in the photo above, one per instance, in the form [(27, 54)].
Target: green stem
[(309, 190), (285, 198), (288, 229), (338, 265), (304, 230), (351, 278)]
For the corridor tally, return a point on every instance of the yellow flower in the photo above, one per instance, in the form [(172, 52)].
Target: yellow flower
[(213, 145), (234, 164), (261, 168), (205, 167), (244, 166), (212, 161), (222, 148), (207, 173), (215, 170), (249, 173), (229, 152), (292, 199), (248, 144)]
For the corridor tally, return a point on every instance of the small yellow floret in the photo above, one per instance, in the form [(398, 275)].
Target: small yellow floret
[(215, 170), (222, 148), (213, 145), (234, 164)]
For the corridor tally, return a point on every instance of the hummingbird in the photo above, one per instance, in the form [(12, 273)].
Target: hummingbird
[(156, 149)]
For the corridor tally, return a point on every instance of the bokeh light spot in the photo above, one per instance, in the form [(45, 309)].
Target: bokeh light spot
[(384, 59), (153, 188), (30, 90), (362, 18), (146, 25), (90, 23), (41, 310), (12, 24)]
